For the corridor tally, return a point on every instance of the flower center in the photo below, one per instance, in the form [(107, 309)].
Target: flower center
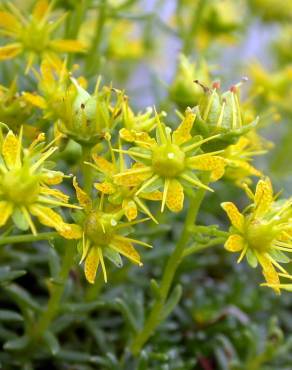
[(35, 37), (260, 235), (20, 187), (168, 160), (99, 228)]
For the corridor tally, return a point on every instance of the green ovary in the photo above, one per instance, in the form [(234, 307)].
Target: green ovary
[(168, 160), (99, 228), (260, 236), (20, 187)]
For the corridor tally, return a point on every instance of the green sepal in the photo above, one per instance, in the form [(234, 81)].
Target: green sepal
[(19, 220), (16, 344), (251, 258), (113, 256), (279, 256)]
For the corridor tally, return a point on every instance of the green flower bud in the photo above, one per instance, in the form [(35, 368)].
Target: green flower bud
[(88, 118), (183, 91), (221, 113)]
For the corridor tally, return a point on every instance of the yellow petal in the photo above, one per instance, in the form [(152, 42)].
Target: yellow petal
[(127, 135), (269, 271), (134, 176), (54, 193), (130, 208), (11, 150), (47, 216), (68, 46), (6, 210), (82, 197), (10, 51), (40, 9), (105, 187), (153, 195), (175, 196), (35, 100), (234, 243), (70, 231), (183, 133), (263, 196), (208, 162), (9, 22), (103, 165), (127, 250), (235, 217), (53, 177), (91, 264)]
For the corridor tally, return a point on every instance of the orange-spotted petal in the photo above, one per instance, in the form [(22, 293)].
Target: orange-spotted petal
[(263, 197), (175, 196), (10, 51), (183, 133), (91, 264), (208, 162), (234, 243), (82, 196), (235, 217), (126, 249), (11, 150)]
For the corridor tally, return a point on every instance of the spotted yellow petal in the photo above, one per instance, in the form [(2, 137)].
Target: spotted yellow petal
[(183, 133), (47, 216), (263, 197), (153, 195), (67, 46), (53, 177), (103, 165), (234, 243), (243, 165), (70, 231), (208, 162), (130, 208), (235, 217), (10, 51), (91, 264), (269, 271), (82, 197), (105, 187), (175, 196), (134, 176), (11, 150), (126, 249), (55, 193), (127, 135), (6, 210)]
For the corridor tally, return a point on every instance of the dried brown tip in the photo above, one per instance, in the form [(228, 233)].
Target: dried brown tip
[(205, 88)]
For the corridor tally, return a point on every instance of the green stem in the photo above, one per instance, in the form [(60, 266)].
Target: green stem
[(86, 170), (191, 32), (56, 294), (28, 238), (94, 54), (199, 247), (173, 262)]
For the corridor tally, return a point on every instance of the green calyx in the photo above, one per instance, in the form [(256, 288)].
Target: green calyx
[(100, 227), (20, 187), (168, 160)]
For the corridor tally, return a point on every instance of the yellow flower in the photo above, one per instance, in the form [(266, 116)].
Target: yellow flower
[(104, 236), (240, 155), (87, 118), (263, 233), (121, 195), (25, 187), (13, 107), (32, 35), (53, 81), (170, 162)]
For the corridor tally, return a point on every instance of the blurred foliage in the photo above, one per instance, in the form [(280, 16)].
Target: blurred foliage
[(216, 316)]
